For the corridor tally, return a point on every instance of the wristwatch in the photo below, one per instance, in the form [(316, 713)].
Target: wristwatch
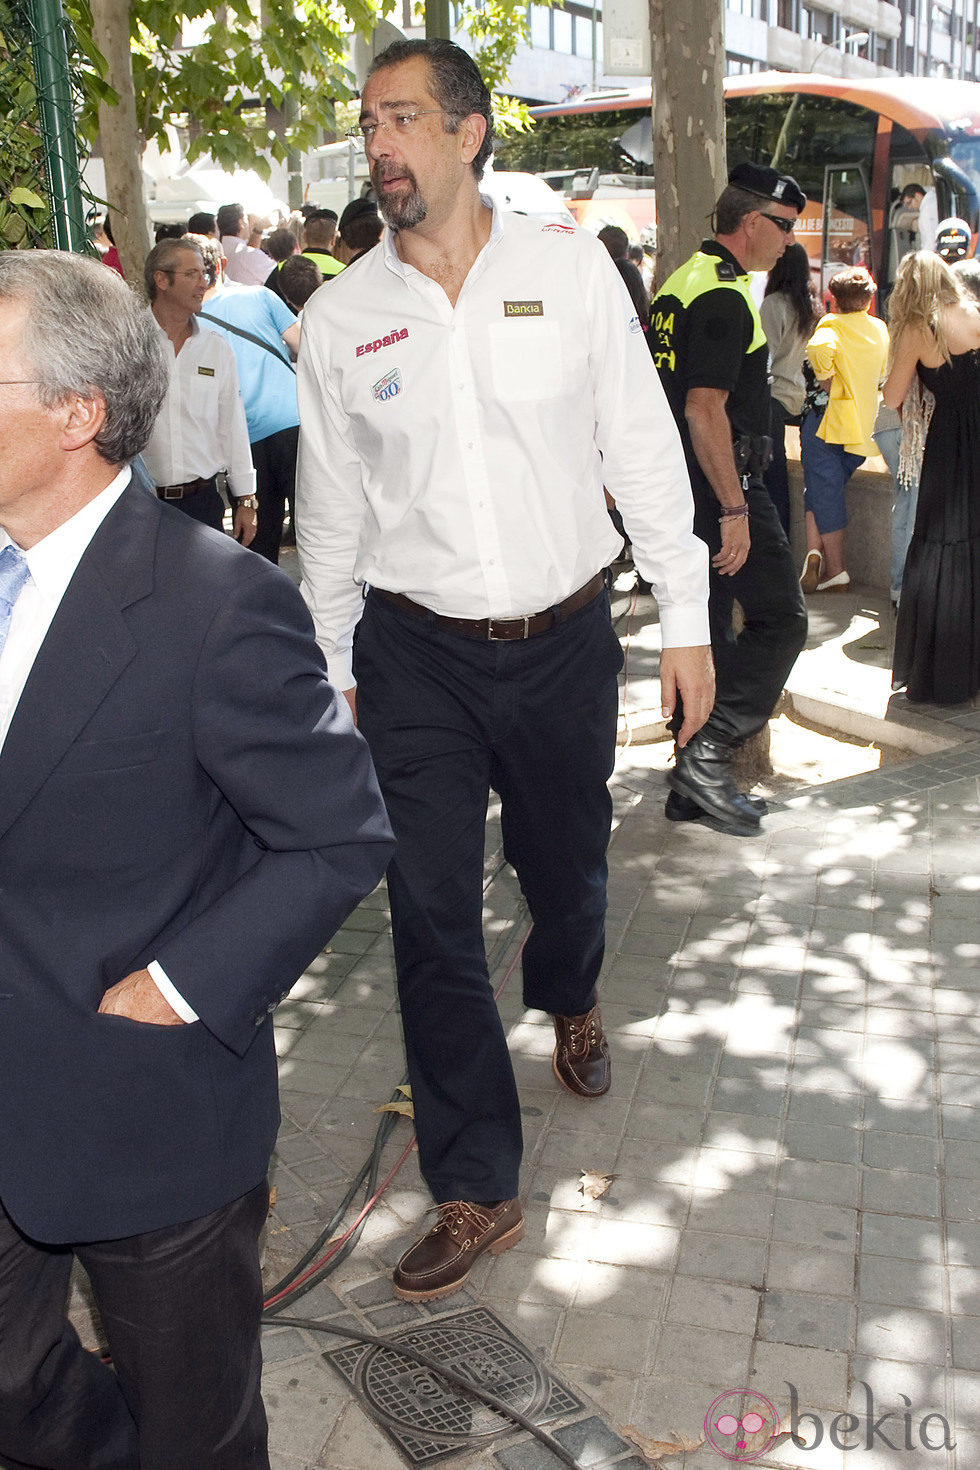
[(247, 502)]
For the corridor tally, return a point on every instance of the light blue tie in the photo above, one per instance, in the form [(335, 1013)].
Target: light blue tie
[(14, 572)]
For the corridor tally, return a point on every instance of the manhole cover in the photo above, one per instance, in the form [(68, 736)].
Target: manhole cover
[(429, 1418)]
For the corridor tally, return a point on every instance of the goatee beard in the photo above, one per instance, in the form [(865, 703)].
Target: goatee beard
[(403, 211)]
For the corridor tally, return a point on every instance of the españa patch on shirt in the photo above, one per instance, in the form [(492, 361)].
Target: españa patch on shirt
[(398, 334), (523, 308), (206, 372)]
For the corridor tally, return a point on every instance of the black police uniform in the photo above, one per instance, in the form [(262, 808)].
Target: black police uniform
[(705, 333)]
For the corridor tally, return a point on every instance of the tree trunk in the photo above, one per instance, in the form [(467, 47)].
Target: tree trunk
[(122, 143), (687, 50)]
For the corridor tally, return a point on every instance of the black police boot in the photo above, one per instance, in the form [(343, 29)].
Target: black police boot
[(703, 774), (682, 809)]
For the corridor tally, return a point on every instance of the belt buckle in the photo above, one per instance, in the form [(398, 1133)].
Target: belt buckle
[(178, 489), (492, 637)]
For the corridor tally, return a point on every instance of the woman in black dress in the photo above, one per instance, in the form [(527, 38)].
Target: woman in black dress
[(935, 331)]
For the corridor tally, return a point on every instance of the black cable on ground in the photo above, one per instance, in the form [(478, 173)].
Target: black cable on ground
[(425, 1360)]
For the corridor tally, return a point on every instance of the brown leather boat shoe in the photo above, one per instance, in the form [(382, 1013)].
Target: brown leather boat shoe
[(581, 1061), (439, 1263)]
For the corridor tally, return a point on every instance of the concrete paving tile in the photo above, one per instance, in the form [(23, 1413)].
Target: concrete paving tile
[(663, 1124), (905, 1239), (806, 1321), (966, 1399), (812, 1078), (603, 1340), (356, 1442), (537, 1324), (892, 1282), (738, 1095), (824, 1272), (902, 1117), (574, 1150), (632, 1243), (728, 1308), (961, 1201), (614, 1393), (895, 1021), (735, 1168), (731, 1212), (728, 1258), (831, 1227), (304, 1402), (961, 1122), (830, 1184), (903, 1333), (966, 1343), (820, 1377), (651, 1202), (838, 1112), (964, 1290), (887, 1190), (628, 1291), (904, 1152), (743, 1131), (698, 1353), (667, 1162), (962, 1159), (670, 1082), (883, 1386), (959, 1087), (962, 1243)]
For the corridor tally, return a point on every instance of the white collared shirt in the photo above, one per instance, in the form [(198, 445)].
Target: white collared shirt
[(244, 263), (458, 454), (201, 427), (52, 563)]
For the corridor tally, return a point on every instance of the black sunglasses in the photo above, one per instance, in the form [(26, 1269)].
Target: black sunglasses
[(786, 225)]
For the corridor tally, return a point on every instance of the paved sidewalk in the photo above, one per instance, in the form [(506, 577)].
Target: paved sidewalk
[(793, 1126)]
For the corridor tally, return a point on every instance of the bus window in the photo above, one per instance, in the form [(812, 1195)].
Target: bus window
[(847, 212)]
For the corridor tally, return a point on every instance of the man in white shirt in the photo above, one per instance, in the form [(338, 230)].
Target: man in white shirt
[(465, 390), (201, 429), (175, 773), (247, 264)]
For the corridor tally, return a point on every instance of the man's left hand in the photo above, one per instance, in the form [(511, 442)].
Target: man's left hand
[(138, 998), (689, 672), (244, 525)]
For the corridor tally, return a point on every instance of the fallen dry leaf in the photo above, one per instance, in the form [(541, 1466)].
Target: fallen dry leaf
[(593, 1185), (655, 1450)]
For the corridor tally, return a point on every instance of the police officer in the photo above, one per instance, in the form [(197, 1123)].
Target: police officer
[(710, 350)]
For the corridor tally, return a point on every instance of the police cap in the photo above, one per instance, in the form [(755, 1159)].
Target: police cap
[(953, 239), (755, 178)]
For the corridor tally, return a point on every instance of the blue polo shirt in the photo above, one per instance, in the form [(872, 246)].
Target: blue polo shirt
[(268, 387)]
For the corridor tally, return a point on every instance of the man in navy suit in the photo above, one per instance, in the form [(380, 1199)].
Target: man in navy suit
[(186, 816)]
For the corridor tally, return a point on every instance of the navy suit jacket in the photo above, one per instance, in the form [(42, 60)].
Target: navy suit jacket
[(181, 783)]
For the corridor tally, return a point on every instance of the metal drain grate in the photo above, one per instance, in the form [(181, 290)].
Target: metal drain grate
[(429, 1419)]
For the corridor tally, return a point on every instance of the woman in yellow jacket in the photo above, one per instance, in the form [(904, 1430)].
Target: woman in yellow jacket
[(847, 354)]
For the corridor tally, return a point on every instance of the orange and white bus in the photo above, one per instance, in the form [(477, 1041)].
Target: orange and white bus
[(851, 145)]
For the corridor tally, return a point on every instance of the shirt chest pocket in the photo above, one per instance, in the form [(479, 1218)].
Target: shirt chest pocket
[(525, 358)]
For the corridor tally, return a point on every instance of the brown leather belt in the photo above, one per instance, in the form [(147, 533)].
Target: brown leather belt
[(500, 630), (189, 487)]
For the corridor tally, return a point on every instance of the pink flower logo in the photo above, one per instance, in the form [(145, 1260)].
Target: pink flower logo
[(741, 1425)]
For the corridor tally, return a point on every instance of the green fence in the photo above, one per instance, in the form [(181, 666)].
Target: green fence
[(40, 201)]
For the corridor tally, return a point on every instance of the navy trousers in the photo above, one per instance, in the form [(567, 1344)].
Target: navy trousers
[(751, 669), (181, 1309), (447, 719)]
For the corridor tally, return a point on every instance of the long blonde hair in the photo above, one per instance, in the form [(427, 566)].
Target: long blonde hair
[(925, 288)]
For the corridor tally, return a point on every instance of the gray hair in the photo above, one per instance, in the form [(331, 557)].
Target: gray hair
[(733, 206), (456, 84), (85, 333), (163, 257)]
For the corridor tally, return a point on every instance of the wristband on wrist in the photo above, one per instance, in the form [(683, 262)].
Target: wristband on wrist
[(247, 502), (734, 512)]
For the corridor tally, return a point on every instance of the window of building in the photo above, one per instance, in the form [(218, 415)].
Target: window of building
[(561, 32), (539, 27), (788, 14), (819, 24), (740, 66)]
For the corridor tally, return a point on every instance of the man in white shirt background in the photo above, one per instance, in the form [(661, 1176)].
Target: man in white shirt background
[(465, 391), (201, 429), (175, 771), (247, 264)]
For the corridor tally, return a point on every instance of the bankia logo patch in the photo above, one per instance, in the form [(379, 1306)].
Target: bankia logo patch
[(389, 386)]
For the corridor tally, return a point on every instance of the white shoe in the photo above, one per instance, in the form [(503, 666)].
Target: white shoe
[(812, 567), (840, 583)]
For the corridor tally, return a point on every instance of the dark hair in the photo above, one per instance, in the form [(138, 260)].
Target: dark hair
[(852, 288), (201, 223), (85, 332), (733, 206), (616, 241), (211, 254), (320, 229), (163, 257), (298, 279), (633, 282), (167, 232), (281, 244), (967, 272), (456, 85), (363, 231), (790, 277), (230, 217)]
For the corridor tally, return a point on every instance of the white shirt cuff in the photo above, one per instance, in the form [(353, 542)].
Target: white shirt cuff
[(170, 993)]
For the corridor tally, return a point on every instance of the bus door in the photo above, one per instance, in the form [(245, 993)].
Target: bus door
[(846, 220)]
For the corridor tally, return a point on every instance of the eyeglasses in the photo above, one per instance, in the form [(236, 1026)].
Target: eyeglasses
[(786, 225), (402, 124)]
